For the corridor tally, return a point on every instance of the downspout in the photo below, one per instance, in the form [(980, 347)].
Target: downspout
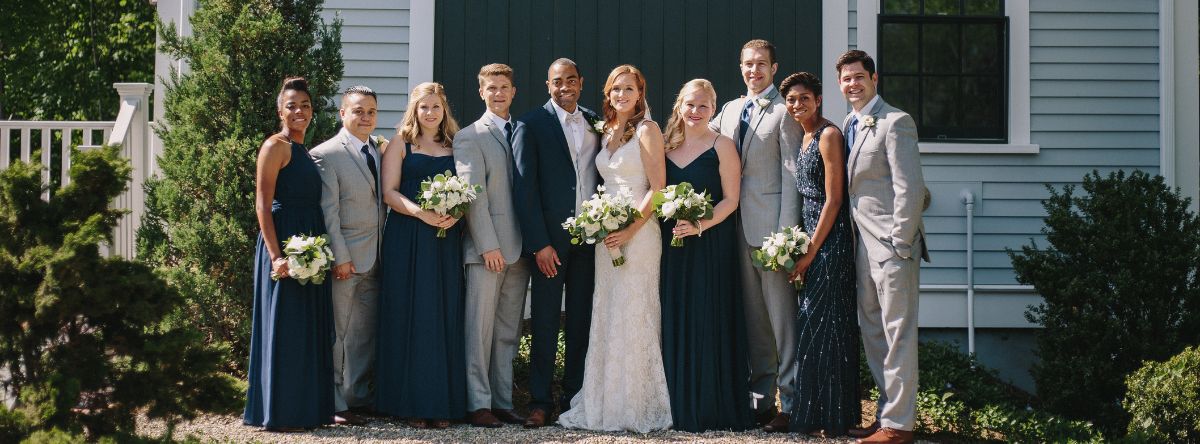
[(968, 200)]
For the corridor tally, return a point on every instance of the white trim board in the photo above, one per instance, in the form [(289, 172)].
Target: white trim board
[(1187, 100), (1018, 80), (421, 35), (835, 17)]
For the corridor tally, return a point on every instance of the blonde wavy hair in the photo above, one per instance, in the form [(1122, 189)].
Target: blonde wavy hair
[(640, 109), (673, 135), (410, 129)]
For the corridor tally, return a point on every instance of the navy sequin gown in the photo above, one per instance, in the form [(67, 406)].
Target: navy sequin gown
[(290, 381), (421, 369), (703, 328), (826, 324)]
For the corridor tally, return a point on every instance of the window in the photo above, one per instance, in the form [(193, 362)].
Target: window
[(945, 62)]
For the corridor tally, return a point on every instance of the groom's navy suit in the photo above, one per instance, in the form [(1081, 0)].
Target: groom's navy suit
[(551, 179)]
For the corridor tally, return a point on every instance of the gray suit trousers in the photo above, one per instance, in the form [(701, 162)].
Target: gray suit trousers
[(495, 303), (887, 314), (770, 305), (354, 316)]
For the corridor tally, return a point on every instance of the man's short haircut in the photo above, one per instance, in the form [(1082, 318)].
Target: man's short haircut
[(361, 90), (756, 44), (495, 69), (855, 55)]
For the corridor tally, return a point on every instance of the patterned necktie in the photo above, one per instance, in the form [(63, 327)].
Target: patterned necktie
[(851, 131), (744, 124)]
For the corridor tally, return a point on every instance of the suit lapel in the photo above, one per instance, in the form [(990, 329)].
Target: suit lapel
[(756, 119), (498, 134), (359, 161), (560, 133), (860, 135)]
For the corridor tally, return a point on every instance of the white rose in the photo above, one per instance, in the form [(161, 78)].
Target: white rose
[(772, 251), (611, 224), (668, 209)]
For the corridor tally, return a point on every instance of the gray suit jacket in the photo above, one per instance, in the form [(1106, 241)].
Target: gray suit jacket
[(482, 157), (769, 198), (350, 199), (886, 186)]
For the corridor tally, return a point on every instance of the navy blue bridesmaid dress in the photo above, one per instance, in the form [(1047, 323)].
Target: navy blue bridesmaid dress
[(291, 338), (827, 335), (421, 368), (703, 328)]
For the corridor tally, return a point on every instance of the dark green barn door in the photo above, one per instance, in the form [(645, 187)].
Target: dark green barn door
[(671, 41)]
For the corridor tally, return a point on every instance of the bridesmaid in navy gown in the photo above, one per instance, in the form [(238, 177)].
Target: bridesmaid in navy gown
[(703, 329), (290, 383), (421, 370), (826, 325)]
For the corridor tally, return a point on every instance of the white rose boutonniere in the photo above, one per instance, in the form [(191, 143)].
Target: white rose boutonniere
[(868, 121), (762, 102), (598, 127), (380, 142)]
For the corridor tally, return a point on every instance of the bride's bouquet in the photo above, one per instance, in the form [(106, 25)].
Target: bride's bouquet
[(604, 213), (308, 258), (781, 250), (448, 195), (682, 202)]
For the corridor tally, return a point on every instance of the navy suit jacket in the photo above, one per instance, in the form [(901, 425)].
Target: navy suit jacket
[(545, 182)]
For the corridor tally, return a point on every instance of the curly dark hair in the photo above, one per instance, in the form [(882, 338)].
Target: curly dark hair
[(808, 80)]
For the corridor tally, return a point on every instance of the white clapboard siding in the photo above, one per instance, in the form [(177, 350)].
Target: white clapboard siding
[(375, 49)]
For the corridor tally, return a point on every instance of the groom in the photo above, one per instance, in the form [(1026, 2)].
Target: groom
[(887, 195), (351, 202), (556, 171), (767, 139), (497, 275)]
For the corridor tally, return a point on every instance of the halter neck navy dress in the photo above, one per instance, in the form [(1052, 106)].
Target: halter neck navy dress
[(827, 335), (421, 370), (291, 338), (703, 327)]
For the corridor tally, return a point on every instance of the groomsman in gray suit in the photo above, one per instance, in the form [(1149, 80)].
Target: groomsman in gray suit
[(767, 139), (887, 195), (497, 275), (350, 199)]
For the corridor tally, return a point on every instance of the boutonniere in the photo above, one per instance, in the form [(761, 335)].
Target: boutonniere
[(762, 102), (380, 142), (598, 127), (868, 122)]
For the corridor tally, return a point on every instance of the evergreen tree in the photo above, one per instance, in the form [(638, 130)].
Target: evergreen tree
[(200, 222), (82, 336), (1120, 283)]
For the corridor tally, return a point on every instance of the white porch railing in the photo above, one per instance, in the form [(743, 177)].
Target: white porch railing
[(131, 131)]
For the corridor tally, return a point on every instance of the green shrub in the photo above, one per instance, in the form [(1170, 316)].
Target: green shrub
[(200, 222), (82, 337), (1164, 399), (1120, 286)]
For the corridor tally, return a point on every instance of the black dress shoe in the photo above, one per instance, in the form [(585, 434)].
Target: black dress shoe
[(345, 417), (779, 424), (761, 418)]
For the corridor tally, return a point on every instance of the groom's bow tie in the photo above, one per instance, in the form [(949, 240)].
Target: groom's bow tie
[(574, 118)]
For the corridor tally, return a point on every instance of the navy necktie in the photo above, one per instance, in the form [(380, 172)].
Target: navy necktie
[(744, 124), (851, 131), (508, 132), (366, 150)]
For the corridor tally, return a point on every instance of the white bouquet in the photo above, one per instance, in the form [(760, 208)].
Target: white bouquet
[(682, 202), (308, 258), (781, 250), (448, 195), (604, 213)]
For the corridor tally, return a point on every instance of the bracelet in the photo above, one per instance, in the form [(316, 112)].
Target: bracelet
[(701, 228)]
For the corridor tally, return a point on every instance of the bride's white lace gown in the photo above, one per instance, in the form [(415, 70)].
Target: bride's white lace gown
[(624, 385)]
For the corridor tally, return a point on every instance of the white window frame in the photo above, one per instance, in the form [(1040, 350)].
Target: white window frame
[(1017, 12)]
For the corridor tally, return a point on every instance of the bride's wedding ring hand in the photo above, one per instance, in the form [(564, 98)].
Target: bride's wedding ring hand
[(618, 238)]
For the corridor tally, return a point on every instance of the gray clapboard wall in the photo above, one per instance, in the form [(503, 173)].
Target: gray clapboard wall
[(1094, 105), (375, 37)]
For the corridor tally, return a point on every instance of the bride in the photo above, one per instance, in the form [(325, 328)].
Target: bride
[(624, 385)]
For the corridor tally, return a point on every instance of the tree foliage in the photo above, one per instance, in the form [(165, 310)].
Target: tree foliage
[(1120, 284), (82, 336), (59, 58), (200, 221)]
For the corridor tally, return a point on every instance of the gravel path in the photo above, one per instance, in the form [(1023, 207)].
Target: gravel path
[(229, 429)]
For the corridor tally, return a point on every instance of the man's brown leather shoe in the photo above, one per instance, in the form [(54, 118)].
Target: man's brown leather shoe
[(888, 436), (779, 424), (864, 432), (536, 418), (485, 418), (508, 416), (345, 417)]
